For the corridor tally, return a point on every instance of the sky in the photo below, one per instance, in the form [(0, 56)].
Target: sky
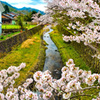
[(38, 4)]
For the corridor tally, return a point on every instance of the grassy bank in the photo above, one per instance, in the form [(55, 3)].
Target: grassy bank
[(29, 54), (67, 51)]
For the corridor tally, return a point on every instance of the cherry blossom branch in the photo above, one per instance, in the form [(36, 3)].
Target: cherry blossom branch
[(86, 88), (79, 96)]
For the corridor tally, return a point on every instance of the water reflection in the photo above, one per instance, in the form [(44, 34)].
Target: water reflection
[(53, 60)]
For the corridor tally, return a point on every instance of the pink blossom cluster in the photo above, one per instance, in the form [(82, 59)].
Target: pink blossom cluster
[(78, 9), (28, 82), (24, 93), (7, 78), (20, 93), (42, 20), (90, 33), (43, 79), (81, 6), (87, 39), (74, 9), (70, 82), (13, 69)]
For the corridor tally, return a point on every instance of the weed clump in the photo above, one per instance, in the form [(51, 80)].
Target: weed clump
[(27, 43)]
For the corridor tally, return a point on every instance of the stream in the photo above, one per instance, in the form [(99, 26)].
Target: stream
[(53, 61)]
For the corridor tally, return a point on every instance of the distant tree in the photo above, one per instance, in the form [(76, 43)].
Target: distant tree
[(6, 9), (33, 12), (19, 21), (28, 16)]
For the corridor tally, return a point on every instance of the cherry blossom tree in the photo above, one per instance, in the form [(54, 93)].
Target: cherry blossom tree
[(81, 18), (70, 85), (76, 15)]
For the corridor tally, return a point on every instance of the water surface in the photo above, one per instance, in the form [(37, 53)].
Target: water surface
[(53, 60)]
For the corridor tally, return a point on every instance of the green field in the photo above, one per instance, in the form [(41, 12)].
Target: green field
[(16, 26), (4, 37), (30, 26), (10, 26)]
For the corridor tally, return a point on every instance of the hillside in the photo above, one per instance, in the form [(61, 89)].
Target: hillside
[(24, 9)]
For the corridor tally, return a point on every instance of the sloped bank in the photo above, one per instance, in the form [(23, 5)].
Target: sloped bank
[(85, 52), (38, 66), (67, 51), (39, 63), (33, 55), (7, 45)]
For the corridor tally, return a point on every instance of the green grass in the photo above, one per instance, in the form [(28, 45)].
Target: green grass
[(4, 37), (5, 26), (30, 26), (19, 55), (67, 51)]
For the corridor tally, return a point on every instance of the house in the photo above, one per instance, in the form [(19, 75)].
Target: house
[(1, 10), (6, 18), (9, 17)]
